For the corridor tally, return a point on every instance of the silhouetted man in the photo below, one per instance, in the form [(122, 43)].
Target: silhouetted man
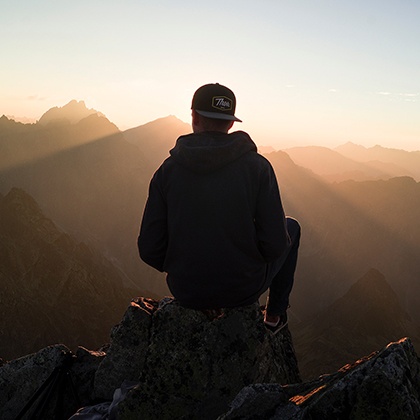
[(214, 221)]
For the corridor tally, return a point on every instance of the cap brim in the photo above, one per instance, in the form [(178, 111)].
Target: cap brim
[(218, 115)]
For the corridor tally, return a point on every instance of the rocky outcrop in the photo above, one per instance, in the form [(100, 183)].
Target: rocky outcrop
[(50, 384), (188, 362), (21, 379), (383, 385), (167, 362)]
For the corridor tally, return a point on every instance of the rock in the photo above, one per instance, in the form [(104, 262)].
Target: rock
[(21, 378), (191, 364), (126, 355), (385, 384), (83, 371), (187, 363), (209, 365), (26, 382)]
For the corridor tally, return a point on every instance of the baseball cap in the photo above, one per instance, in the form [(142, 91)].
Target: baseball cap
[(215, 101)]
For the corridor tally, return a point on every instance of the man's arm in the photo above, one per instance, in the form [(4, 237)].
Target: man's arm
[(270, 221), (153, 239)]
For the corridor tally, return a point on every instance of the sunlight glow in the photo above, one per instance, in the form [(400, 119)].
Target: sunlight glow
[(303, 73)]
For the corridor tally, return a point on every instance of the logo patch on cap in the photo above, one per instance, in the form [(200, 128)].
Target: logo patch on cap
[(222, 103)]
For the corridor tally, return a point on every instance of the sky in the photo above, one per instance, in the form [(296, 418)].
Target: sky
[(305, 72)]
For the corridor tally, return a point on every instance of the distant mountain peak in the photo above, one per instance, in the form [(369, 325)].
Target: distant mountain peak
[(25, 208), (23, 120), (350, 147), (160, 123), (370, 305), (373, 285), (72, 113), (17, 198)]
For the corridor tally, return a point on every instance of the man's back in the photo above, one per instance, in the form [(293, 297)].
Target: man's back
[(213, 220)]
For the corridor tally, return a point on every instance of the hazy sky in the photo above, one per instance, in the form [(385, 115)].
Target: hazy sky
[(304, 71)]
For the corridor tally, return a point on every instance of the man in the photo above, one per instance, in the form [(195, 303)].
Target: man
[(214, 220)]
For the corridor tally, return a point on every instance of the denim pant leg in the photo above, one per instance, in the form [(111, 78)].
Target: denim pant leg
[(281, 272)]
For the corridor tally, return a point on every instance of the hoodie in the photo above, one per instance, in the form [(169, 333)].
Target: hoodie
[(213, 220)]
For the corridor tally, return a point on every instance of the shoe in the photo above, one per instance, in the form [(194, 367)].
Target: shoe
[(279, 325)]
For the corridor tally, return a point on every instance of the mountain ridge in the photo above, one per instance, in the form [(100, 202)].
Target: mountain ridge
[(95, 191), (72, 113), (365, 318), (408, 160), (53, 288), (334, 166)]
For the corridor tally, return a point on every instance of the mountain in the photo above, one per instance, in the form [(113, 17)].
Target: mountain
[(92, 180), (366, 318), (336, 167), (25, 144), (89, 180), (53, 289), (71, 113), (409, 161), (347, 228), (156, 138), (24, 120)]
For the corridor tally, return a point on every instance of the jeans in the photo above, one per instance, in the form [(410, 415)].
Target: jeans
[(281, 272)]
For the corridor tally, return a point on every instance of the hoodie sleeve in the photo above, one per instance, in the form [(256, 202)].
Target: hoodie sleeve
[(270, 221), (153, 239)]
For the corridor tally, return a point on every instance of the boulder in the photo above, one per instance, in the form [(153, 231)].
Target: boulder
[(126, 355), (166, 362), (385, 384), (52, 383), (23, 379), (83, 371), (191, 363)]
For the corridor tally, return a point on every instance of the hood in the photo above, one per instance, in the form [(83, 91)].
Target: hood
[(209, 151)]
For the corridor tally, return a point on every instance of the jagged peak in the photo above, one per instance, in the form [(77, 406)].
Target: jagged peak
[(22, 120), (7, 120), (21, 206), (370, 305), (72, 113), (17, 196), (373, 290)]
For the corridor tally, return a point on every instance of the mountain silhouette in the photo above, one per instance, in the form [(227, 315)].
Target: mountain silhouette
[(409, 161), (157, 137), (71, 113), (365, 319), (91, 179), (335, 167), (53, 289), (347, 228), (25, 144)]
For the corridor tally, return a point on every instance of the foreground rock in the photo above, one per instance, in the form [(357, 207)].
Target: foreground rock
[(190, 363), (385, 385), (50, 384), (185, 363), (168, 362)]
